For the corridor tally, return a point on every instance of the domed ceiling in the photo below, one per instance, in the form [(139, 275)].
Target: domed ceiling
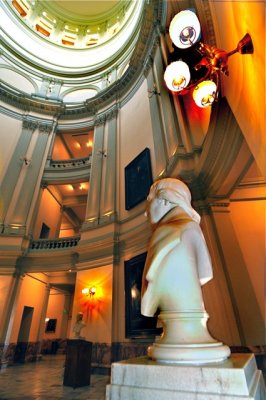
[(82, 9), (77, 24), (49, 31)]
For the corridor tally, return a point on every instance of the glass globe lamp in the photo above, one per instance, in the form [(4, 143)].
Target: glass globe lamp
[(204, 93), (177, 76), (184, 29)]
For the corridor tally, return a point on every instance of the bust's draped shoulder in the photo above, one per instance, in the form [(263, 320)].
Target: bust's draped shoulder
[(170, 234)]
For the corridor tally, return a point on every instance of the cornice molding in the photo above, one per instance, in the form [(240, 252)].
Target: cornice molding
[(27, 103)]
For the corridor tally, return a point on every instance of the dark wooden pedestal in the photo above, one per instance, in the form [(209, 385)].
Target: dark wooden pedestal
[(78, 363)]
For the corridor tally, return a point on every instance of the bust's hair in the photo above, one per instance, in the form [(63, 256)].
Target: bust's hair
[(176, 192), (172, 189)]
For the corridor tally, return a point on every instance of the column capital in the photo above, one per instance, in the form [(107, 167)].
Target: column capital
[(20, 274), (113, 112), (29, 124), (44, 185), (45, 127), (100, 119)]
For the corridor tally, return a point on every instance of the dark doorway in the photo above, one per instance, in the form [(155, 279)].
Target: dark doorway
[(23, 336), (44, 234)]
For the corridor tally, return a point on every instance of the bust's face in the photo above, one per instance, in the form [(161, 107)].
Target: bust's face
[(157, 208), (79, 317)]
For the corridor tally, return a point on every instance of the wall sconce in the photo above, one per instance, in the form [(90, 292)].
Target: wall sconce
[(102, 153), (25, 160), (153, 91), (198, 65), (89, 291), (50, 86)]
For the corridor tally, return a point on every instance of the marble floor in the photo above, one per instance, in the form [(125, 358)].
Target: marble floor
[(43, 380)]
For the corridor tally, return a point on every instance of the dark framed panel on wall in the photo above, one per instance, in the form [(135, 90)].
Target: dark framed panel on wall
[(136, 324), (50, 325), (138, 179)]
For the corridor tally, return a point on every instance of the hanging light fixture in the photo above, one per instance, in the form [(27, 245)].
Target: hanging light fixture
[(194, 64)]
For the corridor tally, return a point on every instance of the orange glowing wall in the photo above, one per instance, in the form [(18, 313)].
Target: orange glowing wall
[(5, 283), (248, 218), (31, 295), (59, 150), (56, 310), (97, 310), (244, 88), (49, 213)]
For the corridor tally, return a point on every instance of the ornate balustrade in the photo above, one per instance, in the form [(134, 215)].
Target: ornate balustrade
[(74, 162), (50, 244), (65, 171)]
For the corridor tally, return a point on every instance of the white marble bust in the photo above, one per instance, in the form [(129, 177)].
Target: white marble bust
[(79, 325), (177, 264)]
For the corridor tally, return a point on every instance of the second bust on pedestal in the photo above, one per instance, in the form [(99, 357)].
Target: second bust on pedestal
[(177, 264), (79, 325)]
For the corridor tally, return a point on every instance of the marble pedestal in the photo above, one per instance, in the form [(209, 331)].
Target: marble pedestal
[(141, 378)]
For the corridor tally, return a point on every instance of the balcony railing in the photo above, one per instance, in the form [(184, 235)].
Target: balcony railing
[(50, 244), (74, 162)]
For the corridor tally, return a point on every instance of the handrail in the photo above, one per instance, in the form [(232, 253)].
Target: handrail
[(73, 162), (61, 243)]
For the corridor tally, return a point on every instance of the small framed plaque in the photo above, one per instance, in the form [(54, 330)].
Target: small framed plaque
[(51, 325), (138, 179)]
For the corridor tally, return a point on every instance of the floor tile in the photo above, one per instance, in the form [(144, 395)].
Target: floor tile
[(44, 380)]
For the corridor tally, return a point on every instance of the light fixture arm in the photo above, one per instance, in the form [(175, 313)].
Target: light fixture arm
[(218, 59), (199, 65)]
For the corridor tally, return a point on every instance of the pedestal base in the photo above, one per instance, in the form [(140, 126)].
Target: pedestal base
[(186, 339), (191, 353), (141, 378)]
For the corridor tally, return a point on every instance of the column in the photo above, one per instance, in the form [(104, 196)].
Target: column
[(23, 200), (15, 166), (65, 317), (51, 146), (36, 210), (42, 317), (34, 15), (10, 307), (59, 28), (173, 103), (117, 326), (183, 127), (243, 299), (170, 126), (57, 231), (94, 194), (108, 191), (160, 146), (222, 323)]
